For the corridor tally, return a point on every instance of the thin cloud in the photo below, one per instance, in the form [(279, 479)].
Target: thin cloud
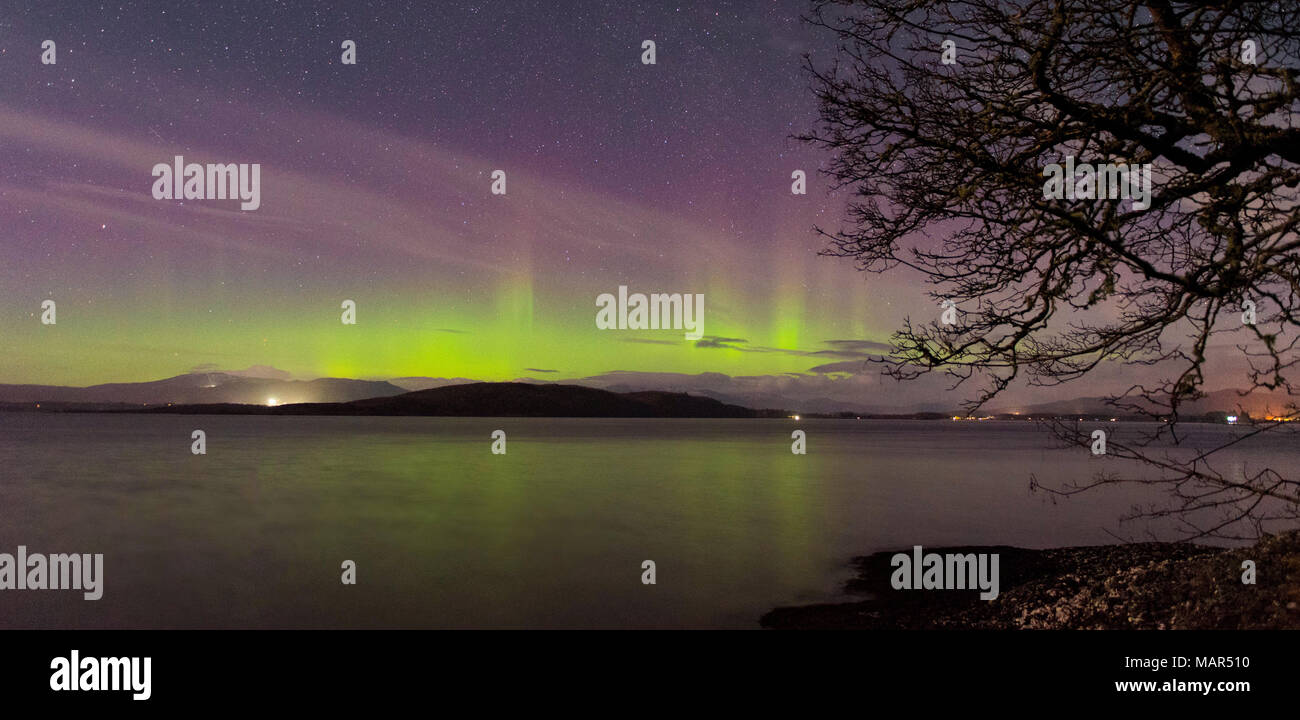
[(846, 366), (725, 343)]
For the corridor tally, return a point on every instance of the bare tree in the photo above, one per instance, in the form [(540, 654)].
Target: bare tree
[(946, 162)]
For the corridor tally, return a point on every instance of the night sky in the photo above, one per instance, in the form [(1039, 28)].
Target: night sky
[(375, 185)]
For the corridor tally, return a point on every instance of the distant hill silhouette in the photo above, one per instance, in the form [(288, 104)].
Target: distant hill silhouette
[(1258, 404), (505, 400), (204, 388), (221, 392)]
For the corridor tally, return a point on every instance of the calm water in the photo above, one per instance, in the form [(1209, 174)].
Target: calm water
[(553, 534)]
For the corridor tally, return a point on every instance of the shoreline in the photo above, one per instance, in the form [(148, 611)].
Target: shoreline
[(304, 410), (1133, 586)]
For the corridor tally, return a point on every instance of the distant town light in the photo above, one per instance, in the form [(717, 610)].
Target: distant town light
[(1232, 419)]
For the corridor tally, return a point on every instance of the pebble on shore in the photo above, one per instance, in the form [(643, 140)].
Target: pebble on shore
[(1134, 586)]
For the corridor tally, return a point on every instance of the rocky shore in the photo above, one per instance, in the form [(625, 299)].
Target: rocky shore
[(1133, 586)]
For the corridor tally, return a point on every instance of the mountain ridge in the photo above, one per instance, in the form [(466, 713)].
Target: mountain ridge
[(224, 388), (204, 388), (504, 400)]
